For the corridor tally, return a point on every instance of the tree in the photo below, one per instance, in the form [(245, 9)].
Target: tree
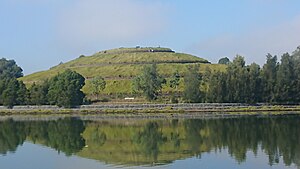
[(216, 90), (174, 82), (13, 92), (254, 87), (192, 81), (9, 69), (284, 90), (224, 61), (236, 80), (296, 61), (269, 74), (65, 89), (149, 82), (38, 93), (9, 95), (98, 85), (22, 94)]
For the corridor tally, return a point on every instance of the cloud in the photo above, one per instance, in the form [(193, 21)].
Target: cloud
[(110, 21), (254, 44)]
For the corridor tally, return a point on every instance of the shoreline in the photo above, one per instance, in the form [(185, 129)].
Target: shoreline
[(112, 117), (145, 111)]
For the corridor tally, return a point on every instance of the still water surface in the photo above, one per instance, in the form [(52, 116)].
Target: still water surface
[(71, 143)]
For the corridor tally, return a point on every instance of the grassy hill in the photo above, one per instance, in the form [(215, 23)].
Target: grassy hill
[(120, 66)]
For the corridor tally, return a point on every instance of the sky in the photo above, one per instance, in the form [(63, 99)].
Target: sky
[(39, 34)]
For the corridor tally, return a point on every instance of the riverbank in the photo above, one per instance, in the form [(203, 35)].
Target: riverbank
[(185, 110)]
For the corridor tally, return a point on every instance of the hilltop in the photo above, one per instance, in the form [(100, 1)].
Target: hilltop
[(119, 66)]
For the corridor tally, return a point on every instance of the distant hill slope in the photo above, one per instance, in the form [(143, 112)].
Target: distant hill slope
[(119, 66)]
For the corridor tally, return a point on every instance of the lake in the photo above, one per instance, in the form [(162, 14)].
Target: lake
[(74, 143)]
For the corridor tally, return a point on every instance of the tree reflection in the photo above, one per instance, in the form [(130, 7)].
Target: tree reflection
[(275, 136), (12, 134), (98, 137), (150, 139), (161, 141), (193, 138), (63, 135)]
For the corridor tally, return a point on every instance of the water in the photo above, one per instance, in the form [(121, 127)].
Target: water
[(71, 143)]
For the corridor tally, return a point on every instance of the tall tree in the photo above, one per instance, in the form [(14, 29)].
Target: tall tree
[(9, 95), (98, 84), (285, 80), (149, 82), (296, 88), (174, 81), (192, 80), (217, 89), (38, 93), (22, 94), (236, 80), (253, 89), (269, 74), (13, 92), (65, 89)]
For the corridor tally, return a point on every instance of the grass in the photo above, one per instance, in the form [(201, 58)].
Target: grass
[(119, 77), (168, 110), (119, 68), (100, 58)]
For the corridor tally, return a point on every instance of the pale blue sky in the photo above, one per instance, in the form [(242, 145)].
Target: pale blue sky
[(39, 34)]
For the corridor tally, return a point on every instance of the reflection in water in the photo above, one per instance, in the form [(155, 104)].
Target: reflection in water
[(150, 139), (62, 135), (141, 142), (11, 135)]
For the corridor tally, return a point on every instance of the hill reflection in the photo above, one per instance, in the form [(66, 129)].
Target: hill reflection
[(156, 142)]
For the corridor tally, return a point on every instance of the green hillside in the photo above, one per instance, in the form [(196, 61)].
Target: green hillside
[(119, 66)]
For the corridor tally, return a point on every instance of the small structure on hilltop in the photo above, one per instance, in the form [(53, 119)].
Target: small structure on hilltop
[(137, 49)]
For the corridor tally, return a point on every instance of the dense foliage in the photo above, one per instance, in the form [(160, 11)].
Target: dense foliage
[(9, 69), (98, 85), (12, 91), (273, 83), (63, 90), (149, 82), (38, 93), (192, 80)]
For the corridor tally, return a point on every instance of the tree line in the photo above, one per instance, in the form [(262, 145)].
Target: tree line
[(63, 90), (274, 82)]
